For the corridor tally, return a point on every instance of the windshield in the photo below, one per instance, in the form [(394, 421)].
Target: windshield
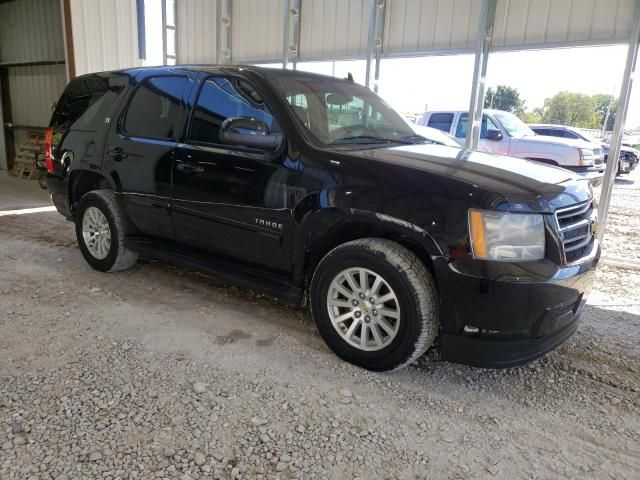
[(584, 136), (341, 112), (513, 125)]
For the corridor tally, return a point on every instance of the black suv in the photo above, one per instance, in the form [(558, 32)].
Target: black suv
[(289, 182)]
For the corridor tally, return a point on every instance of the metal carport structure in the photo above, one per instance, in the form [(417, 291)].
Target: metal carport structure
[(104, 35)]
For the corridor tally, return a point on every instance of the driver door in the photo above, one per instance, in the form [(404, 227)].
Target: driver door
[(485, 144), (231, 200)]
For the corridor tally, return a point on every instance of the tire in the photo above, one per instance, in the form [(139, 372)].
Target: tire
[(114, 256), (414, 303)]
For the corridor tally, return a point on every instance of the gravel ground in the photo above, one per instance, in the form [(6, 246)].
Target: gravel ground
[(160, 372)]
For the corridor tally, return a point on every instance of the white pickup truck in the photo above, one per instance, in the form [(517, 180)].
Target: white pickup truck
[(505, 134)]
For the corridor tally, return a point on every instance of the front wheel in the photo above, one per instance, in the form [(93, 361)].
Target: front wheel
[(100, 230), (375, 304)]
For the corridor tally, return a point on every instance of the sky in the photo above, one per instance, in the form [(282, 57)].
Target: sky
[(443, 82)]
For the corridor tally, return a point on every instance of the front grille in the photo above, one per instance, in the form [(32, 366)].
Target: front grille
[(575, 226)]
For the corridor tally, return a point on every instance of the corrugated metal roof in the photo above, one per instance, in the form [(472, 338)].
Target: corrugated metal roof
[(333, 29), (105, 32), (554, 23), (196, 31), (31, 31), (435, 25), (105, 35), (338, 29), (256, 30)]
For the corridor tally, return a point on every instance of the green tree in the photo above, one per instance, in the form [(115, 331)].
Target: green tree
[(601, 102), (504, 98), (568, 108), (531, 117)]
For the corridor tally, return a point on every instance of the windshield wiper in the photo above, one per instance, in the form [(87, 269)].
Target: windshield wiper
[(410, 138), (361, 139)]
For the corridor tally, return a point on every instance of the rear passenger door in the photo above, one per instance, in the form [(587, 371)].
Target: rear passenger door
[(139, 152)]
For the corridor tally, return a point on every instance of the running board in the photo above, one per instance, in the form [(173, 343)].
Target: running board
[(243, 276)]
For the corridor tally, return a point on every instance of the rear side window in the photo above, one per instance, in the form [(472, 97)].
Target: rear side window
[(85, 102), (156, 108), (224, 97), (441, 121)]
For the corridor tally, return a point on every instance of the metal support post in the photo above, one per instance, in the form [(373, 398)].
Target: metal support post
[(483, 45), (618, 127)]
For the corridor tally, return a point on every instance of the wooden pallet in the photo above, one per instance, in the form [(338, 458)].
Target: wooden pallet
[(24, 165), (24, 171)]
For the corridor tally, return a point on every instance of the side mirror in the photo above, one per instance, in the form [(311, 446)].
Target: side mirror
[(249, 132), (494, 135)]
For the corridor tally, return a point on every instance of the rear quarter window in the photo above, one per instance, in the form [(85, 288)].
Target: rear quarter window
[(85, 102), (441, 121)]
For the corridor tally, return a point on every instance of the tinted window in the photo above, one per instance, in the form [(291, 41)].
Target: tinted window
[(156, 108), (84, 103), (441, 121), (487, 124), (224, 97)]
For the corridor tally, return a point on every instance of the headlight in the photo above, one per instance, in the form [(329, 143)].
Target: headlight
[(586, 156), (508, 237)]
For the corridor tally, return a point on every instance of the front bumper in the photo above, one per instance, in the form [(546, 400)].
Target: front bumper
[(499, 315)]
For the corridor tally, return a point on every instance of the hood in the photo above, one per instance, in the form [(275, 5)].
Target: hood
[(567, 142), (525, 185)]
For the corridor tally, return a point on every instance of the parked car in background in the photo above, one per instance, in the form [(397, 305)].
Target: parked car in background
[(304, 186), (505, 134), (629, 156)]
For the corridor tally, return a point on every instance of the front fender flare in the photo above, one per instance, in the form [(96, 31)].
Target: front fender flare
[(323, 230)]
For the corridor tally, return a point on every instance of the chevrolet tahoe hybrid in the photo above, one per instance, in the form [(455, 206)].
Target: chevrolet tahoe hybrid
[(304, 186)]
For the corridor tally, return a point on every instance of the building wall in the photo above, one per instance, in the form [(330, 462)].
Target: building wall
[(32, 51), (33, 91), (30, 31)]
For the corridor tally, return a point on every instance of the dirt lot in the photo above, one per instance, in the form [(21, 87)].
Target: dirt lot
[(159, 372)]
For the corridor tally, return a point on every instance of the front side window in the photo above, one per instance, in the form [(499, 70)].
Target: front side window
[(487, 124), (341, 112), (224, 97), (156, 108), (513, 125)]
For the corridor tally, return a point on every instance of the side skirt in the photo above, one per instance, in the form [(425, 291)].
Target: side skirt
[(241, 275)]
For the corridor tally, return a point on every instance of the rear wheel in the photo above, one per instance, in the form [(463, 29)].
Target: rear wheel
[(375, 304), (100, 230)]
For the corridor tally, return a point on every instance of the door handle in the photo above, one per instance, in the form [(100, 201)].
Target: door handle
[(117, 154), (189, 168)]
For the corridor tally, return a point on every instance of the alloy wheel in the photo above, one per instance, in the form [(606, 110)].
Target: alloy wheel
[(363, 309)]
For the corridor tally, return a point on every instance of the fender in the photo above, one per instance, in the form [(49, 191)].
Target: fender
[(321, 231)]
